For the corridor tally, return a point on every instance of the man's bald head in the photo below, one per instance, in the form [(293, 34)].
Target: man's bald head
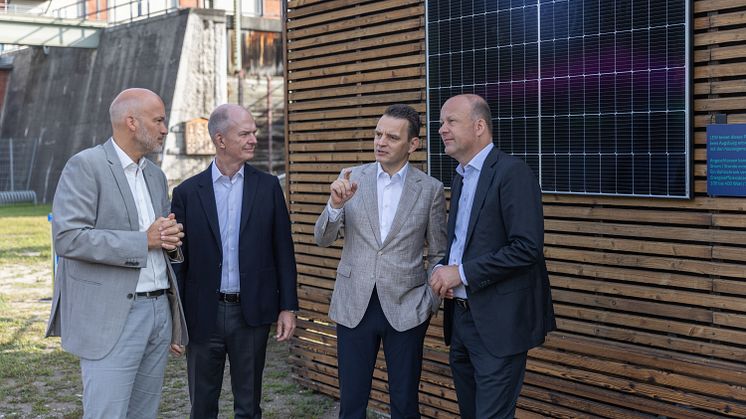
[(130, 102), (480, 109), (465, 126), (138, 122)]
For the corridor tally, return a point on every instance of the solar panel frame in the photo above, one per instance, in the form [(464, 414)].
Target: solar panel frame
[(636, 167)]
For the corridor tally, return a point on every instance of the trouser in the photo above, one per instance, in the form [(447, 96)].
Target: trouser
[(127, 382), (487, 386), (357, 349)]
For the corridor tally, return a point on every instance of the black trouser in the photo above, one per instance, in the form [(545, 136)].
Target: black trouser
[(487, 386), (246, 348), (357, 349)]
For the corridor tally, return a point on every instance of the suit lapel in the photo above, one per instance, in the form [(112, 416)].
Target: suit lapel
[(206, 194), (409, 195), (486, 177), (124, 188), (155, 195), (369, 190), (453, 210), (250, 184)]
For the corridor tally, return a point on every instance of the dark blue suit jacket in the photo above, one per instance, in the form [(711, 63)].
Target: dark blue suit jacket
[(266, 259), (509, 294)]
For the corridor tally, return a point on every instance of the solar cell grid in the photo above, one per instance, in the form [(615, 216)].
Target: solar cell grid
[(592, 94)]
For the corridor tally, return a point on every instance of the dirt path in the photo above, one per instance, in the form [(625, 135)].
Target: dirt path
[(39, 380)]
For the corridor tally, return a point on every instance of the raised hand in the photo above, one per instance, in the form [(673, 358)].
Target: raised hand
[(342, 190)]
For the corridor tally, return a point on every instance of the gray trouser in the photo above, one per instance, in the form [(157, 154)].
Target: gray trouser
[(127, 382)]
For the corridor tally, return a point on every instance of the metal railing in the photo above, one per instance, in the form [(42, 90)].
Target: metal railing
[(118, 13), (20, 9), (114, 14)]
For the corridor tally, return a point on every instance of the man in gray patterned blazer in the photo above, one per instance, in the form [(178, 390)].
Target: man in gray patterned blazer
[(387, 212), (116, 303)]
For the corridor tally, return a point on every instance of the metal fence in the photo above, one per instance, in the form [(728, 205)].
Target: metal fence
[(17, 159)]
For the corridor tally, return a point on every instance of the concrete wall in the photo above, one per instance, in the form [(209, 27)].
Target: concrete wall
[(58, 98), (200, 87)]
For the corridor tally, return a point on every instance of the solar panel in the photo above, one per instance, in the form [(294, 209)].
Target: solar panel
[(593, 95)]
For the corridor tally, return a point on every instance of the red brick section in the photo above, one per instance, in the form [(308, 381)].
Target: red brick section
[(4, 78), (186, 4), (96, 10), (271, 9)]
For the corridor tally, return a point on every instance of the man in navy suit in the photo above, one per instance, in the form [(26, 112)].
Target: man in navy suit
[(238, 274), (500, 304)]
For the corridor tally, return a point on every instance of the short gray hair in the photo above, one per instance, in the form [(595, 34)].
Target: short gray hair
[(219, 120)]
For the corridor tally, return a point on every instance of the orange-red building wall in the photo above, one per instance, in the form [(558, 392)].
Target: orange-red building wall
[(4, 78)]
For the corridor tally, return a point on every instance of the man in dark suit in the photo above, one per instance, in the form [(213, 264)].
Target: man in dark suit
[(500, 304), (238, 274)]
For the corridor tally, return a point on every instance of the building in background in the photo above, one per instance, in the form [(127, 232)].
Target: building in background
[(186, 50)]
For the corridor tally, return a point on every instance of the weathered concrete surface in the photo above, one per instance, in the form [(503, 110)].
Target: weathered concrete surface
[(58, 101), (200, 87)]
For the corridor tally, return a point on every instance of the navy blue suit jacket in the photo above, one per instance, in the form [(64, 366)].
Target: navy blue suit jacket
[(266, 259), (509, 294)]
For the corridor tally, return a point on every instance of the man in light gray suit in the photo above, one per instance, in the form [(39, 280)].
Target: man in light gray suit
[(116, 303), (388, 212)]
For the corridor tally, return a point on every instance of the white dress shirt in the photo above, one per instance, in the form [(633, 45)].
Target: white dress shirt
[(389, 190), (228, 200), (153, 275), (470, 175)]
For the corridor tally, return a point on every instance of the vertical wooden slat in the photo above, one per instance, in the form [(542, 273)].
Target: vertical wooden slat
[(647, 291)]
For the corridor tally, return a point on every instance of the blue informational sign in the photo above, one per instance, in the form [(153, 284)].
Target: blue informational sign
[(726, 160)]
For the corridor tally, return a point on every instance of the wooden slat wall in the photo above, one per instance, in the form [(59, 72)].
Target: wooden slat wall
[(650, 295)]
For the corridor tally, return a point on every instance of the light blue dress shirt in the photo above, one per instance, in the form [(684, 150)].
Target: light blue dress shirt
[(470, 175), (228, 199)]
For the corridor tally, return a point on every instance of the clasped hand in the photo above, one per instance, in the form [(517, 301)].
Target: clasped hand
[(165, 233), (444, 279)]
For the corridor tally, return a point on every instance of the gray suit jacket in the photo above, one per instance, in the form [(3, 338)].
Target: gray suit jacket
[(394, 266), (95, 231)]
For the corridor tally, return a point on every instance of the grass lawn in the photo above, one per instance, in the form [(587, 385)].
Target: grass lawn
[(38, 379)]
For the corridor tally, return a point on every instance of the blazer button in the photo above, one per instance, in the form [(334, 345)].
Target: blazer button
[(129, 296), (380, 253)]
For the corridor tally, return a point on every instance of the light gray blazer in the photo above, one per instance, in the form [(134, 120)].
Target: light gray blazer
[(394, 266), (95, 232)]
